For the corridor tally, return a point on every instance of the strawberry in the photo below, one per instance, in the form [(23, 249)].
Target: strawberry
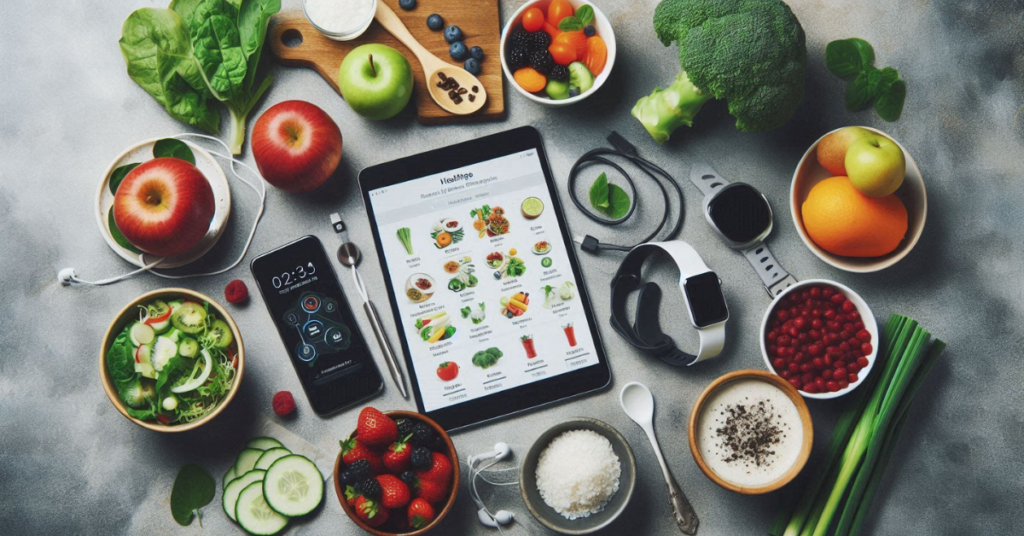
[(394, 492), (370, 512), (351, 495), (440, 471), (431, 491), (398, 456), (353, 449), (420, 513), (376, 429)]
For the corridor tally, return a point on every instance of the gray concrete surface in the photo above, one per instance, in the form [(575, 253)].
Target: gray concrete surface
[(70, 464)]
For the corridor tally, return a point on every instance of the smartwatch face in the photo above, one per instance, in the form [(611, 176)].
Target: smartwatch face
[(707, 303), (740, 213)]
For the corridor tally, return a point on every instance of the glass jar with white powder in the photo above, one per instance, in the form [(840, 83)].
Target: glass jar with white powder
[(341, 20)]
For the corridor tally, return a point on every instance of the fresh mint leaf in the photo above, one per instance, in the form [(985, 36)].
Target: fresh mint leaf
[(867, 54), (599, 192), (619, 202), (890, 103), (887, 77), (570, 24), (861, 91), (193, 489), (843, 58), (585, 14), (118, 175), (170, 147), (116, 234)]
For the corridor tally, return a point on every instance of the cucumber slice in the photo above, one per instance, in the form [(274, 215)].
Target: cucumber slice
[(188, 347), (164, 349), (263, 443), (270, 456), (161, 326), (143, 364), (246, 460), (228, 477), (219, 334), (141, 334), (255, 515), (293, 486), (158, 308), (174, 334), (229, 499), (580, 76), (189, 317), (174, 304)]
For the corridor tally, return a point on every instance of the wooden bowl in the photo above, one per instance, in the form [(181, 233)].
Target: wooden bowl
[(453, 456), (805, 420), (809, 173), (128, 314)]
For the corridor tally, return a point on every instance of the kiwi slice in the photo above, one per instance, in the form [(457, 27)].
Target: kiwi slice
[(189, 318), (219, 334)]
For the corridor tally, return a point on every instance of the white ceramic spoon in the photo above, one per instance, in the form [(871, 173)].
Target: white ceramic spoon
[(638, 402)]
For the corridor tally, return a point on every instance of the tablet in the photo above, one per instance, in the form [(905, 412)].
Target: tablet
[(483, 279)]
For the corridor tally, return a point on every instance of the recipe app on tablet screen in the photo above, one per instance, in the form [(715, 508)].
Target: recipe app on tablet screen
[(486, 295)]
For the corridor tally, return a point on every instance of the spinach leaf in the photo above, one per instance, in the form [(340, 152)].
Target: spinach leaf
[(217, 47), (118, 175), (117, 235), (890, 103), (120, 361), (608, 198), (599, 193), (175, 369), (253, 18), (157, 49), (145, 414), (173, 148), (193, 489)]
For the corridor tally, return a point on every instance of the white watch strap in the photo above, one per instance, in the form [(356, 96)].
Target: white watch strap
[(712, 338), (705, 178), (774, 277)]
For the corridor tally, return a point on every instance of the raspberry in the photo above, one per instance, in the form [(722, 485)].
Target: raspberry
[(236, 291), (284, 403)]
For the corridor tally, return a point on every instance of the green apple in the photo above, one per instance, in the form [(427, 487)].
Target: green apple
[(875, 165), (376, 81)]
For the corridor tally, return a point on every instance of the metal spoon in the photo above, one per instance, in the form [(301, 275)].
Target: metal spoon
[(638, 402), (349, 255)]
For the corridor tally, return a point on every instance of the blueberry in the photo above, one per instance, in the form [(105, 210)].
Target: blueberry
[(458, 51), (407, 5), (573, 91), (472, 65), (589, 30), (435, 22), (452, 34), (476, 53)]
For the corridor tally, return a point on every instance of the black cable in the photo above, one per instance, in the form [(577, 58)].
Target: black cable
[(625, 150)]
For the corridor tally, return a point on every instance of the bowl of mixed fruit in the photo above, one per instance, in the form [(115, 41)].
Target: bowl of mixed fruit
[(557, 52), (172, 360)]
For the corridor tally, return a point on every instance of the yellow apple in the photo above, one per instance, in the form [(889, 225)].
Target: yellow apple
[(876, 165)]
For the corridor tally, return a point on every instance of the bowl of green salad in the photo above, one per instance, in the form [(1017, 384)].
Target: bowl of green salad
[(172, 360)]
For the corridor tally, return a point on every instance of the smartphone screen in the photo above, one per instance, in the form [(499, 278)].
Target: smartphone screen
[(330, 355)]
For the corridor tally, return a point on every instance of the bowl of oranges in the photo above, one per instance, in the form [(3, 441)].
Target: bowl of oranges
[(858, 200), (557, 52)]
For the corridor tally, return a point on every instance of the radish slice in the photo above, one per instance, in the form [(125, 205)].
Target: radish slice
[(194, 383), (142, 334)]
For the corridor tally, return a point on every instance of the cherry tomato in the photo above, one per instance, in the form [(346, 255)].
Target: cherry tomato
[(551, 30), (558, 10), (533, 19), (563, 53), (576, 39)]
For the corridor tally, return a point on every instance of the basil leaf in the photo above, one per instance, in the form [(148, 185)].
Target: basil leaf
[(861, 91), (570, 24), (118, 175), (585, 14), (890, 103), (599, 192), (618, 201), (843, 58), (887, 77), (867, 54), (170, 147), (117, 235), (193, 489)]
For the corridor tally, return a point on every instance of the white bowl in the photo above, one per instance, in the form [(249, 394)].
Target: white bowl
[(604, 30), (866, 316), (809, 173)]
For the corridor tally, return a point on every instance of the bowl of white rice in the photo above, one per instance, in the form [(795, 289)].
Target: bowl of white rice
[(578, 476)]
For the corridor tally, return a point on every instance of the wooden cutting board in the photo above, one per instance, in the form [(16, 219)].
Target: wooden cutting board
[(480, 23)]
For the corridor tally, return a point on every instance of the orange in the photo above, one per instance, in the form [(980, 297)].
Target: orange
[(596, 55), (843, 221), (530, 79)]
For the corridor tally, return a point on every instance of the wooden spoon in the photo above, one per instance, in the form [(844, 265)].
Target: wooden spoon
[(434, 69)]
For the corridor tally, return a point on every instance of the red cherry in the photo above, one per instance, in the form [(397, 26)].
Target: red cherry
[(867, 349), (862, 361), (832, 386), (779, 363)]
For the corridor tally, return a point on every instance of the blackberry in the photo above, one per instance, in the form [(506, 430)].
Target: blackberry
[(518, 58), (519, 38), (560, 73), (409, 478), (423, 436), (540, 41), (542, 61), (347, 478), (404, 427), (422, 458), (369, 488), (360, 470)]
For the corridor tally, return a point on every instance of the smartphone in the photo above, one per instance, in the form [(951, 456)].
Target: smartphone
[(330, 355)]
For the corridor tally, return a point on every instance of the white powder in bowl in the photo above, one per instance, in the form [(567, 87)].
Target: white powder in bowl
[(578, 473), (339, 16)]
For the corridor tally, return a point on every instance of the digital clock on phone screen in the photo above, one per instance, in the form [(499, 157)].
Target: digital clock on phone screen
[(298, 273)]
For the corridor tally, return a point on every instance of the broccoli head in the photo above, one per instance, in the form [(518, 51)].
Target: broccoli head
[(750, 53)]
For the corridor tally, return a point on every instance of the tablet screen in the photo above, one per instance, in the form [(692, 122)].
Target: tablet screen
[(486, 295)]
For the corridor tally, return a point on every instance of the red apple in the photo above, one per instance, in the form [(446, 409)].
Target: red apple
[(297, 146), (164, 206)]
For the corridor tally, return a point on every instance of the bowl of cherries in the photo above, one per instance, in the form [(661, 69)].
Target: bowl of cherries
[(821, 337)]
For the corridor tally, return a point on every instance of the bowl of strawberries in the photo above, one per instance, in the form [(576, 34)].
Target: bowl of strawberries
[(397, 473)]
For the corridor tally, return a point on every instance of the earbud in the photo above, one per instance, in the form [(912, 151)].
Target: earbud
[(500, 452), (501, 517), (66, 276)]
